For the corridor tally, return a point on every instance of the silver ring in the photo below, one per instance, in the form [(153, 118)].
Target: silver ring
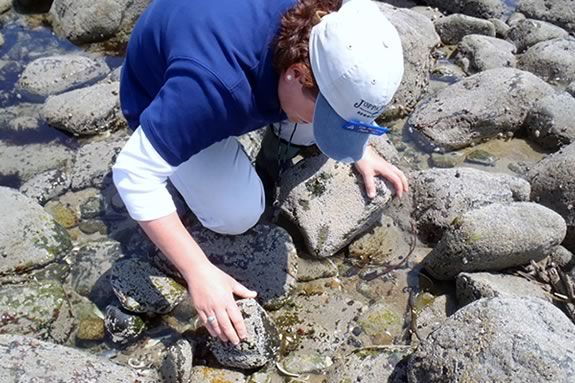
[(211, 318)]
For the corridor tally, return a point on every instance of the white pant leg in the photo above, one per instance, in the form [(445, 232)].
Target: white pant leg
[(303, 135), (221, 187)]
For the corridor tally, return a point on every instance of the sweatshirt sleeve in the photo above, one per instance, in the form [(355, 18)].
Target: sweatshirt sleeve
[(140, 175)]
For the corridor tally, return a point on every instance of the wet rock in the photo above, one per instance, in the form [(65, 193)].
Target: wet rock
[(477, 108), (263, 259), (91, 329), (86, 111), (305, 363), (440, 195), (558, 12), (203, 374), (476, 53), (32, 6), (431, 312), (477, 8), (494, 238), (312, 269), (381, 323), (550, 122), (17, 119), (571, 89), (94, 162), (453, 28), (446, 160), (474, 286), (52, 75), (523, 339), (368, 365), (36, 309), (123, 327), (551, 60), (114, 75), (501, 28), (528, 32), (481, 157), (313, 192), (177, 366), (24, 123), (29, 237), (80, 20), (418, 37), (260, 346), (32, 360), (62, 214), (142, 288), (45, 186)]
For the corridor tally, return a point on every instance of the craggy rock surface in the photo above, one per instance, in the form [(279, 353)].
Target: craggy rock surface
[(203, 374), (496, 237), (46, 186), (558, 12), (30, 238), (551, 122), (529, 32), (499, 340), (477, 53), (477, 108), (52, 75), (453, 28), (478, 8), (260, 346), (26, 359), (440, 195), (177, 366), (551, 60), (123, 327), (474, 286), (313, 192)]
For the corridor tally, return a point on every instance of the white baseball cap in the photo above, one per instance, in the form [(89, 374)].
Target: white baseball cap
[(357, 61)]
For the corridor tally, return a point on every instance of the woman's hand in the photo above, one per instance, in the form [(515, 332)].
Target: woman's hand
[(372, 165), (212, 292)]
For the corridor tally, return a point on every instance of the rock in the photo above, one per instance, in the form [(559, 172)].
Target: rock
[(562, 258), (501, 28), (5, 5), (571, 89), (528, 32), (29, 237), (431, 312), (36, 309), (94, 162), (62, 214), (86, 111), (494, 238), (523, 339), (477, 108), (440, 195), (446, 160), (558, 12), (550, 122), (260, 346), (313, 192), (474, 286), (305, 363), (177, 366), (418, 38), (123, 327), (203, 374), (381, 323), (312, 269), (142, 288), (551, 60), (477, 8), (251, 142), (91, 329), (515, 18), (368, 365), (45, 186), (23, 124), (476, 53), (453, 28), (31, 360), (263, 259), (481, 157), (80, 20), (430, 12), (20, 119), (56, 74), (32, 6)]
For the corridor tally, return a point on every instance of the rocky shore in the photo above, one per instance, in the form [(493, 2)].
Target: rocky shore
[(470, 277)]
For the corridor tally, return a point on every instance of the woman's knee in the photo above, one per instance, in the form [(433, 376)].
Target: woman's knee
[(237, 223)]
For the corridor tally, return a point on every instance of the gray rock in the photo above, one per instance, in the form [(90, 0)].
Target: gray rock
[(46, 186), (251, 142), (477, 108), (142, 288), (522, 339), (571, 89), (260, 346), (313, 193), (5, 5), (501, 28), (86, 111), (30, 360), (36, 309), (453, 28), (558, 12), (381, 323), (550, 122), (551, 60), (24, 123), (94, 162), (474, 286), (177, 366), (311, 269), (562, 258), (114, 75), (481, 157), (446, 160), (29, 237), (528, 32), (496, 237), (123, 327), (18, 118), (52, 75), (515, 18), (477, 8), (418, 38), (263, 259), (476, 53), (368, 366), (430, 12), (431, 312), (440, 195), (303, 363), (204, 374)]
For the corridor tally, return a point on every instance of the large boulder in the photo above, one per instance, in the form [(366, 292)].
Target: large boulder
[(32, 6), (453, 28), (529, 32), (477, 53), (558, 12), (551, 60), (477, 108), (496, 237), (499, 340), (550, 123), (477, 8)]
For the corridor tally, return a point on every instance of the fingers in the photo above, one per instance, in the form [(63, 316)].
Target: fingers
[(228, 324), (237, 321), (242, 291), (369, 182), (226, 327), (396, 181)]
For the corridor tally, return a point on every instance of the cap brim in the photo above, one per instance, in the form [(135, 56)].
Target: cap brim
[(330, 136)]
